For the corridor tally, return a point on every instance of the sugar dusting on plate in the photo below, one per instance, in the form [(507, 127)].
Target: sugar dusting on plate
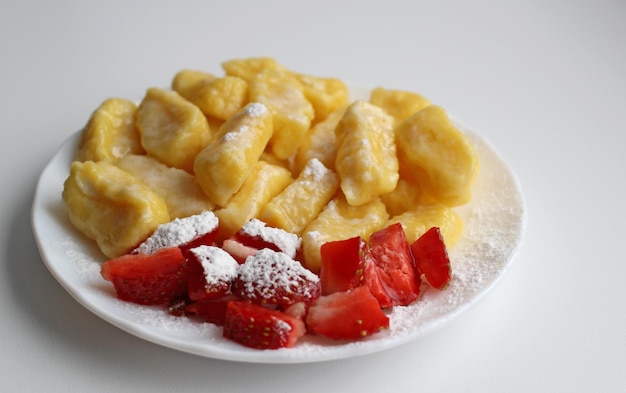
[(83, 263)]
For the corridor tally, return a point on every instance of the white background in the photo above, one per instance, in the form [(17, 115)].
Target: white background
[(544, 81)]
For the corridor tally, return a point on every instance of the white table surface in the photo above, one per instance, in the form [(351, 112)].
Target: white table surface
[(544, 81)]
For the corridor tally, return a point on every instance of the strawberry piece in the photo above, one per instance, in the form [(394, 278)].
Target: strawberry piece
[(212, 310), (271, 277), (372, 280), (238, 250), (391, 252), (211, 272), (256, 234), (196, 284), (342, 264), (347, 315), (206, 239), (431, 258), (259, 327), (148, 278)]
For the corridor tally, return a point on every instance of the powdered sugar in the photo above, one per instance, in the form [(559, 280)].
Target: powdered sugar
[(315, 170), (282, 327), (179, 231), (84, 264), (255, 109), (314, 235), (154, 317), (286, 242), (219, 267), (235, 134)]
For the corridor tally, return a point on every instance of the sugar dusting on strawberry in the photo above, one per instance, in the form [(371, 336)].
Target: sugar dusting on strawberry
[(218, 265), (212, 271), (180, 232), (271, 277)]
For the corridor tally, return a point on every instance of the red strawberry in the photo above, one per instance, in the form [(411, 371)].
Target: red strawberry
[(258, 327), (372, 280), (212, 310), (207, 239), (391, 252), (343, 264), (431, 258), (148, 278), (347, 315), (271, 277), (211, 272)]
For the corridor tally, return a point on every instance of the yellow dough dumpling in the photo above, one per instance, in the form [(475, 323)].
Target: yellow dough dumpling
[(223, 166), (110, 133), (438, 154), (111, 206), (172, 129)]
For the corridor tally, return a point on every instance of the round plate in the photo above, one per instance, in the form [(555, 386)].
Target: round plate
[(494, 225)]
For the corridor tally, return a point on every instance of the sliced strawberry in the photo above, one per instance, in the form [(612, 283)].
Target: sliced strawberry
[(211, 272), (196, 282), (148, 278), (256, 234), (372, 280), (271, 277), (258, 327), (431, 258), (238, 250), (343, 264), (391, 252), (347, 315), (212, 310), (207, 239)]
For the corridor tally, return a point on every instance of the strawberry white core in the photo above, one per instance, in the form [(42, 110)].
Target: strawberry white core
[(285, 241)]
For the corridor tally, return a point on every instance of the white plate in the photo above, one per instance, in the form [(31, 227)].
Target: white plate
[(494, 225)]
